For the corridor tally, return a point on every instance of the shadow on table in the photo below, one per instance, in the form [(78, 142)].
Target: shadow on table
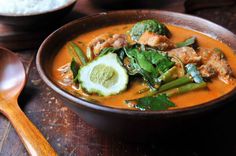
[(26, 96)]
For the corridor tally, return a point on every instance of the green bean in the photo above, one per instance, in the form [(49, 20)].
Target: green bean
[(185, 88), (173, 84), (178, 82), (169, 75), (79, 52), (72, 54)]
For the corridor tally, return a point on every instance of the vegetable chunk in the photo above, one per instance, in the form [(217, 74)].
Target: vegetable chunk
[(104, 76), (148, 25)]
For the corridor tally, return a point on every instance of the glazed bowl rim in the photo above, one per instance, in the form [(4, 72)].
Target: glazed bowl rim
[(215, 103)]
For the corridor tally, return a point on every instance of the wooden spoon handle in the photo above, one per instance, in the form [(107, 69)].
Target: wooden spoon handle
[(31, 137)]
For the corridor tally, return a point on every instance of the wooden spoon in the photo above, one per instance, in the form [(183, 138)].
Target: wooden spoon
[(12, 81)]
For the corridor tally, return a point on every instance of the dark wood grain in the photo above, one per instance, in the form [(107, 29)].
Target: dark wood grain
[(70, 136)]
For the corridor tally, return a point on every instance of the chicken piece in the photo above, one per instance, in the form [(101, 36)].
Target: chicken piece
[(107, 40), (119, 40), (154, 40), (214, 63), (207, 71), (98, 43), (185, 54)]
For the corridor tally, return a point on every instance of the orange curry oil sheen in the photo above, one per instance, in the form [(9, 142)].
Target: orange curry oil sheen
[(215, 89)]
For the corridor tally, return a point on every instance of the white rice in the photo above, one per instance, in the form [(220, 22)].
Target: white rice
[(27, 7)]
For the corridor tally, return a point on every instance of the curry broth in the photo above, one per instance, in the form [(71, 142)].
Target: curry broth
[(216, 88)]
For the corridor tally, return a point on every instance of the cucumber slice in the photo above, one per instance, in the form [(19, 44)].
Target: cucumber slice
[(104, 76)]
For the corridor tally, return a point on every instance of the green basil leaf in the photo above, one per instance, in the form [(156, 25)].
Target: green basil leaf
[(160, 102), (188, 42), (74, 67)]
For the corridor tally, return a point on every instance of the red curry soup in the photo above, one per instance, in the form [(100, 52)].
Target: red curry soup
[(145, 66)]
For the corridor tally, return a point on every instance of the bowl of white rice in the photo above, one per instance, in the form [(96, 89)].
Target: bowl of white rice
[(34, 12)]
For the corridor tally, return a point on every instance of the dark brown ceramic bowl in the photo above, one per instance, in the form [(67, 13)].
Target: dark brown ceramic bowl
[(39, 19), (130, 123)]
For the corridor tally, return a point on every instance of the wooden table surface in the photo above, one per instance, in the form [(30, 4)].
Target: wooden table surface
[(70, 136)]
